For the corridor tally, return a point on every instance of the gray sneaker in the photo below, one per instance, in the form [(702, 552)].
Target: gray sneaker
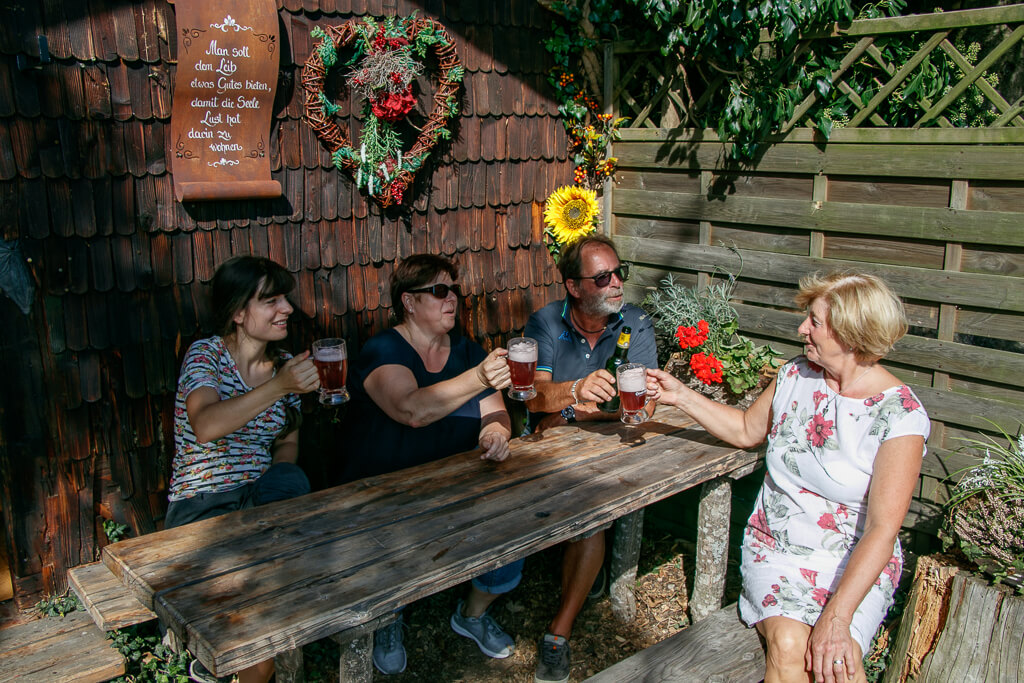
[(388, 650), (199, 673), (485, 632), (552, 660)]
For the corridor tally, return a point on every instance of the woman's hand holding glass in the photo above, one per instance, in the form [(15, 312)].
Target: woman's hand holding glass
[(493, 371), (298, 375)]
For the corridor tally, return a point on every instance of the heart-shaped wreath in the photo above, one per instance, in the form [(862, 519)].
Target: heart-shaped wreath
[(387, 58)]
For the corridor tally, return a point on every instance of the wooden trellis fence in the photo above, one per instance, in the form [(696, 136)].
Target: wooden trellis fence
[(933, 208)]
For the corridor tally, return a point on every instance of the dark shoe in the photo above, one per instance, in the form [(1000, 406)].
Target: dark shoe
[(552, 660), (199, 673), (485, 632), (388, 650), (600, 584)]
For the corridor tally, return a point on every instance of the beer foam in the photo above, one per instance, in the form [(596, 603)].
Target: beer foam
[(329, 355), (633, 380), (522, 353)]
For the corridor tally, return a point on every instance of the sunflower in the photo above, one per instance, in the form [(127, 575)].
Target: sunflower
[(571, 213)]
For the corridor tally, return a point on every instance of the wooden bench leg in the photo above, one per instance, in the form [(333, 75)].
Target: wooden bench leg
[(356, 644), (625, 555), (356, 664), (712, 547), (288, 667)]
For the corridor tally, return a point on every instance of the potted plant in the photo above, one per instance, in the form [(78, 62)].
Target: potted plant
[(984, 518), (712, 357)]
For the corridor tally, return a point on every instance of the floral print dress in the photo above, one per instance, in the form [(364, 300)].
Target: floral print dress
[(812, 506)]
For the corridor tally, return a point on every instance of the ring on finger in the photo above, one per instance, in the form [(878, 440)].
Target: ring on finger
[(837, 662)]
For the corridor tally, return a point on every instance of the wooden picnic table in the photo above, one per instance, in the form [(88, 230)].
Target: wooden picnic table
[(258, 583)]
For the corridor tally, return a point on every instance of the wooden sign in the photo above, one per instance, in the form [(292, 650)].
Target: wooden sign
[(223, 95)]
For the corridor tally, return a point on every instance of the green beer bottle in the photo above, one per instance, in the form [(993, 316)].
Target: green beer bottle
[(618, 357)]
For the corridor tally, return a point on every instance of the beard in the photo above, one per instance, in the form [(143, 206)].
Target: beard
[(597, 304)]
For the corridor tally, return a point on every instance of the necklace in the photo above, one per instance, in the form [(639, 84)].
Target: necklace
[(576, 322), (834, 399)]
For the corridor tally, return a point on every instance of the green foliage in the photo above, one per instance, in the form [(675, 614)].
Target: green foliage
[(754, 87), (147, 658), (59, 605), (114, 531), (675, 307), (985, 515)]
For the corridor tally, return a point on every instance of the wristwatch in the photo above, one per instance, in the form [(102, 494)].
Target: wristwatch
[(569, 414)]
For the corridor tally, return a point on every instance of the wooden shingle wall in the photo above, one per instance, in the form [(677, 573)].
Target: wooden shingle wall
[(122, 269), (937, 213)]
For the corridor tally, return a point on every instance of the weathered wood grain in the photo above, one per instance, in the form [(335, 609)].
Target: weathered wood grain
[(720, 649), (329, 561), (67, 649), (109, 603), (912, 222)]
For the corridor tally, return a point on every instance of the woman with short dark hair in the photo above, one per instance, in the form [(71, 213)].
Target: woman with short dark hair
[(821, 556), (421, 392)]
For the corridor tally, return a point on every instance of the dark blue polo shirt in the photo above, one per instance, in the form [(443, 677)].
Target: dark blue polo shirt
[(563, 351)]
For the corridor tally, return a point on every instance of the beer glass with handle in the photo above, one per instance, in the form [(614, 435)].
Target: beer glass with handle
[(331, 360), (522, 363), (631, 379)]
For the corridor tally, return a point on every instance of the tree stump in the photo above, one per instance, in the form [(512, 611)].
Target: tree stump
[(958, 627)]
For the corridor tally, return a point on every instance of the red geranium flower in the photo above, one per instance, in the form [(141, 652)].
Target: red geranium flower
[(707, 368), (692, 337), (819, 430)]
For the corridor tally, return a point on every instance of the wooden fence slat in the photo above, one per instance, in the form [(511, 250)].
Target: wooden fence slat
[(912, 222), (981, 162), (971, 289), (842, 136)]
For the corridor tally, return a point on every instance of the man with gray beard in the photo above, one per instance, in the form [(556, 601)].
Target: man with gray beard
[(575, 337)]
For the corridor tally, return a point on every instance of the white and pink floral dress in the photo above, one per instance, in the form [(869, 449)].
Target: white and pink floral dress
[(812, 506)]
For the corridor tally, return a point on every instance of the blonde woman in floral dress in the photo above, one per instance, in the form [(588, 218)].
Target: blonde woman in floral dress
[(821, 557)]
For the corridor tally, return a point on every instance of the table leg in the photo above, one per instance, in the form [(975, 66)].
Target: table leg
[(288, 667), (712, 547), (625, 555)]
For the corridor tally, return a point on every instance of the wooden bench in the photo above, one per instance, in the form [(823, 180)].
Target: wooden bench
[(719, 648), (108, 601), (55, 650)]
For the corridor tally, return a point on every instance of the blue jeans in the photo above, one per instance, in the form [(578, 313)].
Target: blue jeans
[(500, 580)]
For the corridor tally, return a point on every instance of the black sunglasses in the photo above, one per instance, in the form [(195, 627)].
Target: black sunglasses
[(604, 279), (440, 291)]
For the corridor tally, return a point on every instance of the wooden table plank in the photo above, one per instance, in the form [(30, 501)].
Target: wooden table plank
[(375, 545)]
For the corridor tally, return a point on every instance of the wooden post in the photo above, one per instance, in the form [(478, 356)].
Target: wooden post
[(712, 547), (356, 645), (625, 555), (288, 667)]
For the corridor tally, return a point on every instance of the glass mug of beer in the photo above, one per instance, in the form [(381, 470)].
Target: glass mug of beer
[(331, 360), (631, 379), (522, 362)]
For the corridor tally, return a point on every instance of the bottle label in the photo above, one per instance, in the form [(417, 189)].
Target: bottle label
[(623, 339)]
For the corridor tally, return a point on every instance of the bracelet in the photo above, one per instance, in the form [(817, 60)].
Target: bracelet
[(572, 390)]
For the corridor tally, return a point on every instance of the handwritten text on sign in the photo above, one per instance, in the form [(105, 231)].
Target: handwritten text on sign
[(224, 91)]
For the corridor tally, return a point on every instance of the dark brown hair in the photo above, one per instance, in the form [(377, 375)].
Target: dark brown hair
[(570, 264), (241, 278), (415, 271)]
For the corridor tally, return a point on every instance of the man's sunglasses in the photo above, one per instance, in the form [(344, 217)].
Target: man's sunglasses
[(439, 291), (604, 279)]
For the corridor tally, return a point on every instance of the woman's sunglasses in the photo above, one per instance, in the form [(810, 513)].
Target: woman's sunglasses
[(604, 279), (439, 291)]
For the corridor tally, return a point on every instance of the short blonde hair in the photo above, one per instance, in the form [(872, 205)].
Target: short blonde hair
[(863, 312)]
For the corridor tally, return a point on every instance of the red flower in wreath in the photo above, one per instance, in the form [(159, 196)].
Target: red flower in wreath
[(707, 368), (393, 106)]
